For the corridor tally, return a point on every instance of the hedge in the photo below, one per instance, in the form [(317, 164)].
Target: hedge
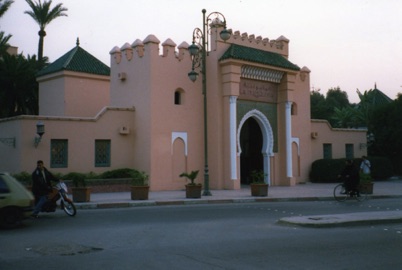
[(327, 170)]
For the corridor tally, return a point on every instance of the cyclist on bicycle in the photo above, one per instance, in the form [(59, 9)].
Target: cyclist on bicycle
[(350, 177)]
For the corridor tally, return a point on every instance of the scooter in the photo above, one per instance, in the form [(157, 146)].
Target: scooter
[(59, 192)]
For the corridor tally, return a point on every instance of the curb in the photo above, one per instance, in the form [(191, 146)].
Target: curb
[(349, 219), (125, 204)]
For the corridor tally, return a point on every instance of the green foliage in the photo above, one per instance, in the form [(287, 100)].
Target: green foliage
[(79, 179), (347, 117), (25, 178), (257, 176), (190, 176), (5, 6), (92, 175), (336, 98), (327, 170), (387, 130), (4, 45), (318, 107), (43, 14), (381, 167), (18, 85), (324, 107), (118, 173), (139, 178)]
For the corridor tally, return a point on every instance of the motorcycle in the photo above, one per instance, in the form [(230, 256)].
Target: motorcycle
[(59, 192)]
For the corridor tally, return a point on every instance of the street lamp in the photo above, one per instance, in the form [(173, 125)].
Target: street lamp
[(198, 51)]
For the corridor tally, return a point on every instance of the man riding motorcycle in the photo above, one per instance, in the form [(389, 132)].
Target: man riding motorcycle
[(41, 186)]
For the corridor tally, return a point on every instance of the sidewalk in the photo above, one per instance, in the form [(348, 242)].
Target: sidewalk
[(301, 192)]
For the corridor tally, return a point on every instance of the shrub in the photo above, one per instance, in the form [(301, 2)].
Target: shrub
[(77, 178), (24, 178), (327, 170), (92, 175), (381, 168), (118, 173), (139, 178)]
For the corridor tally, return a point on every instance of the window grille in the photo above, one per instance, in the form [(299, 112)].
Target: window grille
[(58, 153), (102, 153)]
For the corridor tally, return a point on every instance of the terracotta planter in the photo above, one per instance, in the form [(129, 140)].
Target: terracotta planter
[(367, 186), (81, 194), (259, 190), (193, 191), (139, 192)]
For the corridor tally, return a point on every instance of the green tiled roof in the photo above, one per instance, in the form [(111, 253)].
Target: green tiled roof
[(373, 97), (257, 56), (379, 98), (77, 60)]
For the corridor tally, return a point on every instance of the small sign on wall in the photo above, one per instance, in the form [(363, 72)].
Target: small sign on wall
[(258, 91)]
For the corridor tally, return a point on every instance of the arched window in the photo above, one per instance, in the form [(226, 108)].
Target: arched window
[(178, 97), (293, 110)]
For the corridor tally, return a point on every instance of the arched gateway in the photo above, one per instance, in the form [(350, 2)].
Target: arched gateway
[(264, 141)]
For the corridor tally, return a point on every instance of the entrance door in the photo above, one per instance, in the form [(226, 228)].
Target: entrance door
[(251, 157)]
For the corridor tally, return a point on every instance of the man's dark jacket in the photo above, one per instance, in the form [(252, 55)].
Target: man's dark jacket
[(40, 186)]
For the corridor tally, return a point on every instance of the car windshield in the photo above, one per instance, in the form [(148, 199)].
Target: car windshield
[(3, 185)]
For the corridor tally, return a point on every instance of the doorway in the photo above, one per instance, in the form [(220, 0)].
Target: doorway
[(251, 143)]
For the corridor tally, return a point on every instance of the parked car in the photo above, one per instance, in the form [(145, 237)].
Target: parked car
[(16, 202)]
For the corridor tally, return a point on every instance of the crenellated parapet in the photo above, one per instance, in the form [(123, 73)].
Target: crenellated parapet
[(149, 47), (279, 45)]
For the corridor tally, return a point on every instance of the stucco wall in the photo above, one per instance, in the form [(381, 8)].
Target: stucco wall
[(324, 133), (80, 133), (69, 93), (52, 95), (151, 80)]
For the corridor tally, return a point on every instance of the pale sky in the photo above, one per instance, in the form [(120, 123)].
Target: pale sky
[(347, 43)]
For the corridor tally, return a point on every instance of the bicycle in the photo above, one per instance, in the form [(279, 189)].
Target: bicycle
[(340, 194)]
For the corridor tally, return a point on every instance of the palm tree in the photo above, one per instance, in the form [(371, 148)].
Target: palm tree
[(4, 43), (5, 6), (18, 85), (43, 15)]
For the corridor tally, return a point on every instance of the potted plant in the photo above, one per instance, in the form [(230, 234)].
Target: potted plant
[(366, 184), (193, 190), (139, 185), (80, 191), (258, 186)]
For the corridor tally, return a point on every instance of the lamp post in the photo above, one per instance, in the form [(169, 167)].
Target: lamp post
[(198, 51)]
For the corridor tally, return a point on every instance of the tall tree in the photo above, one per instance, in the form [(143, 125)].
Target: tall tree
[(43, 14), (387, 130), (324, 107), (4, 6), (18, 85), (336, 98), (344, 117), (318, 108)]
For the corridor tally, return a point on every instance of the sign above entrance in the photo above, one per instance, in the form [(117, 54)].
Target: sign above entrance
[(258, 91)]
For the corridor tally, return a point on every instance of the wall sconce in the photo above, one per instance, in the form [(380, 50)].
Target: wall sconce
[(40, 130)]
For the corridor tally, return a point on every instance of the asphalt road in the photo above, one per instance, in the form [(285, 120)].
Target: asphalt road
[(222, 236)]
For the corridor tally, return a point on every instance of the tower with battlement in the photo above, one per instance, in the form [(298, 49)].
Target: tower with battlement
[(249, 77)]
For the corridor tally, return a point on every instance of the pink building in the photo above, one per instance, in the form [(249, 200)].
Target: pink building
[(145, 113)]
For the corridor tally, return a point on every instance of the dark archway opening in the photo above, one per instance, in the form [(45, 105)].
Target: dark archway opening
[(251, 157)]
